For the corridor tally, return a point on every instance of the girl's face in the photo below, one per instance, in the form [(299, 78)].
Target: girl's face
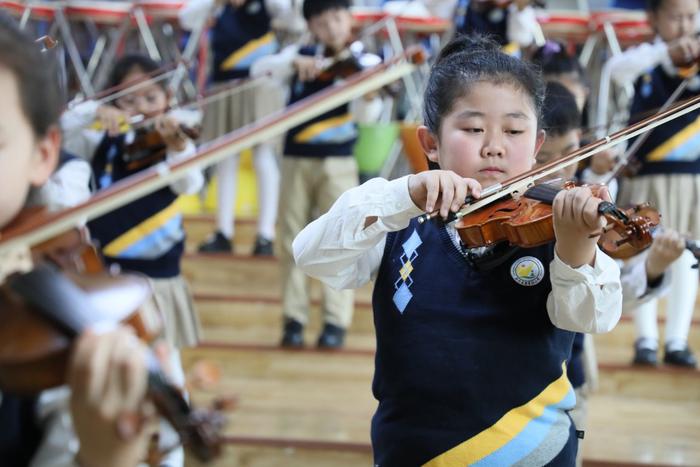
[(674, 19), (149, 101), (24, 160), (489, 135)]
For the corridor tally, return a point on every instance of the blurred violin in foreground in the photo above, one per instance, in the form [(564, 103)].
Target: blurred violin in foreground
[(67, 292)]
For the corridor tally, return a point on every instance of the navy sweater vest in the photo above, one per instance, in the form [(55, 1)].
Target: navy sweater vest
[(145, 235), (658, 154), (457, 349), (246, 31), (331, 134), (20, 435)]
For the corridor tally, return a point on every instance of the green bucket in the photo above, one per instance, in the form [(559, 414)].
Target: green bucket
[(374, 142)]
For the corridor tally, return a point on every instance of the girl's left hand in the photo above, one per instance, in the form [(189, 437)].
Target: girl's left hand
[(170, 130), (576, 218)]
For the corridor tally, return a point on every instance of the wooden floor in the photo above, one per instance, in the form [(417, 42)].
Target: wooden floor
[(310, 408)]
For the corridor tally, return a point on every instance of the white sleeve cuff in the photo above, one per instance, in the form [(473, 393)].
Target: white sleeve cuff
[(585, 299)]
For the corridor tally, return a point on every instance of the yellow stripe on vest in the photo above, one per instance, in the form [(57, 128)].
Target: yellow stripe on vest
[(233, 59), (316, 129), (504, 430), (133, 235), (674, 142)]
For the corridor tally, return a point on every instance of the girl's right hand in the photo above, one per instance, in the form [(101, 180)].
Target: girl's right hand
[(665, 249), (306, 67), (441, 189), (111, 119), (684, 51), (108, 379)]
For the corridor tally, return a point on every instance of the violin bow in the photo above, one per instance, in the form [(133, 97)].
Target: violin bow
[(41, 228), (517, 185), (631, 152)]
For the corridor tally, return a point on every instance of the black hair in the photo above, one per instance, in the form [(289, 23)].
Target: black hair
[(554, 59), (471, 59), (126, 65), (654, 5), (313, 8), (36, 75), (560, 113)]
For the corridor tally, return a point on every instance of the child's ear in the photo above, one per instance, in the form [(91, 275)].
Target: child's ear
[(428, 142), (539, 141), (45, 157)]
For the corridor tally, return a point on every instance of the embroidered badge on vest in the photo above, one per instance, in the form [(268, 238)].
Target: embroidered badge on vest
[(403, 284), (527, 271)]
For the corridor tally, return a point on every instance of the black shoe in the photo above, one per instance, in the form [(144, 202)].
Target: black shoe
[(332, 337), (293, 334), (683, 358), (263, 246), (216, 243), (644, 355)]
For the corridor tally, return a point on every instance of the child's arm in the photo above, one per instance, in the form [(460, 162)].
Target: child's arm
[(344, 247), (67, 187), (78, 138), (586, 292), (522, 23), (626, 67), (279, 66)]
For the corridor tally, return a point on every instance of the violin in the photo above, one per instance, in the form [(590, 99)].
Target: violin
[(145, 145), (44, 309), (613, 242), (528, 222), (346, 63), (148, 146)]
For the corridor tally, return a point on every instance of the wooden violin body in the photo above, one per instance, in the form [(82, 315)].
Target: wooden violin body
[(528, 222)]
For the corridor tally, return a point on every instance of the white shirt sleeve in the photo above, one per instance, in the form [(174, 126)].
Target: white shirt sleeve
[(278, 66), (337, 248), (587, 299), (635, 286), (626, 67), (279, 8), (193, 180), (194, 12), (521, 25), (78, 138), (67, 187)]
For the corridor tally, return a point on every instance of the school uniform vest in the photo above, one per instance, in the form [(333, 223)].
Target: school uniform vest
[(469, 368), (145, 235), (673, 147), (20, 435), (333, 133), (239, 37)]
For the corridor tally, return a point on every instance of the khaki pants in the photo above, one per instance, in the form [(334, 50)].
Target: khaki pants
[(309, 188)]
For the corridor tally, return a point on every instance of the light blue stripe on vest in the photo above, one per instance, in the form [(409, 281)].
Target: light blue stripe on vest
[(158, 242), (542, 438), (689, 151), (264, 50), (339, 134)]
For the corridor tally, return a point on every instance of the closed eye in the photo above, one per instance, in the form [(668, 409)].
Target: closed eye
[(473, 130), (515, 132)]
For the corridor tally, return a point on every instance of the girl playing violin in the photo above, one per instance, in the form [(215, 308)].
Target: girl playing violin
[(669, 162), (107, 371), (146, 235), (480, 346)]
